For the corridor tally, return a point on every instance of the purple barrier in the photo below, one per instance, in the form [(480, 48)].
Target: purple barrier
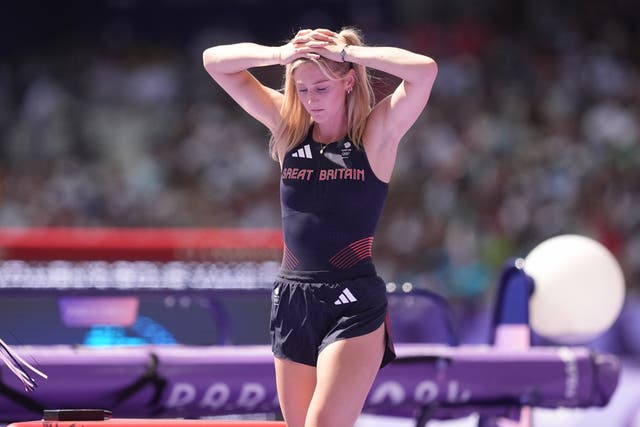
[(191, 382)]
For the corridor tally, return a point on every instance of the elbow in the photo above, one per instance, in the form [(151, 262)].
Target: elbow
[(428, 73), (207, 58), (425, 75), (424, 71), (431, 68), (210, 59)]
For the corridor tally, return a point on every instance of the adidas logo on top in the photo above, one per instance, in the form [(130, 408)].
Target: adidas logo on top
[(303, 153), (345, 297)]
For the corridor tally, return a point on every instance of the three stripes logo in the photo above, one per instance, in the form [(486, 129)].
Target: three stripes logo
[(345, 297), (303, 153)]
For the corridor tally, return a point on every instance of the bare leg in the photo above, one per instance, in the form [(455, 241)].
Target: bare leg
[(295, 383), (346, 370)]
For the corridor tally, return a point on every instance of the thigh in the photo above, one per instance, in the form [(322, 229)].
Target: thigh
[(296, 383), (345, 372)]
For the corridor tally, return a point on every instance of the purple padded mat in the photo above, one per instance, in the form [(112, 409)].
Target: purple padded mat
[(192, 382)]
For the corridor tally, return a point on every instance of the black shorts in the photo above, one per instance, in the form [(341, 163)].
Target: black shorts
[(309, 311)]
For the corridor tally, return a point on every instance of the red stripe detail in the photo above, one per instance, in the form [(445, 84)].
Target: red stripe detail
[(289, 260), (350, 262), (350, 253), (353, 253), (358, 254), (353, 246)]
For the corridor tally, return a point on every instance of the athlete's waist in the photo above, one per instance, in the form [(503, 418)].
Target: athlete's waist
[(363, 269)]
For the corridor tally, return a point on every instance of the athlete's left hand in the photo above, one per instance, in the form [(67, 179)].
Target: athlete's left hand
[(326, 43)]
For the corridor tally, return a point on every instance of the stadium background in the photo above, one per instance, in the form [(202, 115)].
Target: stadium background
[(107, 119)]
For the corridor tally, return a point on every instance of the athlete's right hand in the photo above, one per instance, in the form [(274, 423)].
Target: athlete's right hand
[(301, 46)]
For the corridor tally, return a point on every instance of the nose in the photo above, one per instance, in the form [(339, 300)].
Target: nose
[(311, 98)]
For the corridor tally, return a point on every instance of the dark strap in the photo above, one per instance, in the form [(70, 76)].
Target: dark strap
[(149, 377), (21, 399)]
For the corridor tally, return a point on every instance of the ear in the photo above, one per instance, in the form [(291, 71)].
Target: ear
[(350, 80)]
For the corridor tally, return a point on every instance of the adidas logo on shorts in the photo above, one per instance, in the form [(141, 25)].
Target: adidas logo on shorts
[(345, 297)]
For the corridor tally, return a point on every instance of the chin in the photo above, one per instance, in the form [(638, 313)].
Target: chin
[(320, 117)]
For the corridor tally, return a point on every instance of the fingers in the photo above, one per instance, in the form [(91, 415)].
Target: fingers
[(317, 43), (319, 34), (324, 34), (303, 32), (301, 37)]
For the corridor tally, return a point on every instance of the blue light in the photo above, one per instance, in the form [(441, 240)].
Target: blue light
[(147, 330)]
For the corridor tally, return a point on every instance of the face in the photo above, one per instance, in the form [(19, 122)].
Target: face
[(322, 97)]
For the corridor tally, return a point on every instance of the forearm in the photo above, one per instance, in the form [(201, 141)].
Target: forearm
[(232, 58), (409, 66)]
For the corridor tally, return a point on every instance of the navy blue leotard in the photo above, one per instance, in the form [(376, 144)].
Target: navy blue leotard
[(331, 203)]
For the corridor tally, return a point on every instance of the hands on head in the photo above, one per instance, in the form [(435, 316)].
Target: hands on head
[(313, 44)]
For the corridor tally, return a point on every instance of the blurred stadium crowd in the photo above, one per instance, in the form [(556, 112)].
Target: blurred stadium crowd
[(532, 129)]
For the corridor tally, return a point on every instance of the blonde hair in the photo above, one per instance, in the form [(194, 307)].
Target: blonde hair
[(295, 121)]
